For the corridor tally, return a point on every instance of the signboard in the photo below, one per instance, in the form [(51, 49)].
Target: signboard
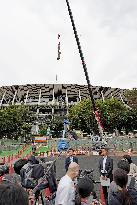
[(62, 145), (40, 139)]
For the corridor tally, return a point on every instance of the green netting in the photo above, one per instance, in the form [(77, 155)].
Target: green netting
[(27, 151), (42, 149), (11, 152)]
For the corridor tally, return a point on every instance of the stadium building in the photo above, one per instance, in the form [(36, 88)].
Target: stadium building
[(53, 99)]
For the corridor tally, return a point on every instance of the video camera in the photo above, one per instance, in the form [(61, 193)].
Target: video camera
[(49, 178), (49, 166), (86, 173)]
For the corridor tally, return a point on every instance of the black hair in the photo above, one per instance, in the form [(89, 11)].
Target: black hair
[(32, 159), (4, 169), (121, 179), (71, 149), (19, 164), (128, 158), (1, 172), (106, 149), (100, 152), (124, 165), (85, 187), (12, 194)]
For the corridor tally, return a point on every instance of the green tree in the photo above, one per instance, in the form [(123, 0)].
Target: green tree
[(15, 121), (114, 114), (43, 129), (81, 116), (131, 96), (131, 120), (56, 124)]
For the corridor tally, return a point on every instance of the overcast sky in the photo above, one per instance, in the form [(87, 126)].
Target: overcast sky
[(28, 42)]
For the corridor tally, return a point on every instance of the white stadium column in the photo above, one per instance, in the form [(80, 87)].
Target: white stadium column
[(39, 97), (26, 97), (79, 96), (14, 97), (2, 98), (102, 96)]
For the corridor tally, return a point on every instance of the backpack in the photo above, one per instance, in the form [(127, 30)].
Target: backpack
[(30, 174)]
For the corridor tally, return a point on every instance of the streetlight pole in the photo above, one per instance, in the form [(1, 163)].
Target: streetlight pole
[(83, 63)]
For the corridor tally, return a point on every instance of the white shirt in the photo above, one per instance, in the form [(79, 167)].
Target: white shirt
[(65, 194), (104, 165), (71, 159)]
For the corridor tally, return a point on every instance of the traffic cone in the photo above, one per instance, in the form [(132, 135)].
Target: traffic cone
[(9, 159), (102, 197), (11, 169), (1, 178), (4, 160)]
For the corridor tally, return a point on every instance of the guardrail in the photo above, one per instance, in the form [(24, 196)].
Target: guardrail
[(117, 143)]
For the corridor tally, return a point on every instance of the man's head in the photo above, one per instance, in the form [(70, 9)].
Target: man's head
[(121, 178), (12, 194), (32, 159), (73, 170), (128, 158), (85, 187), (104, 152), (124, 165), (4, 169), (19, 164), (70, 152)]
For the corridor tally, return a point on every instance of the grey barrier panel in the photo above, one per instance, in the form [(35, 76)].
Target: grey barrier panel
[(120, 144)]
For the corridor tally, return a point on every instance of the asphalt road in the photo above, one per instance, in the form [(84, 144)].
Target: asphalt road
[(85, 163)]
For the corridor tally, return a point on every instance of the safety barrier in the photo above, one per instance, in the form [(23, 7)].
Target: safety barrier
[(11, 158), (119, 143)]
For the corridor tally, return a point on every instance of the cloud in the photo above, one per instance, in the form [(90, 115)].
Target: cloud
[(107, 31)]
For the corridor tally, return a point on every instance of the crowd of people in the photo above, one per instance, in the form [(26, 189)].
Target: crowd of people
[(119, 187)]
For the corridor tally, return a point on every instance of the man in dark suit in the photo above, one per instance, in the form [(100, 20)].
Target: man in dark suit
[(70, 158), (105, 169)]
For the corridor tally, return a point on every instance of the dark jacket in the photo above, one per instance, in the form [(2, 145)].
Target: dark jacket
[(67, 162), (113, 189), (108, 167), (116, 198)]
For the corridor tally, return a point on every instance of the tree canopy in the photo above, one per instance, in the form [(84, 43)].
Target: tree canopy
[(131, 96), (114, 114), (15, 121)]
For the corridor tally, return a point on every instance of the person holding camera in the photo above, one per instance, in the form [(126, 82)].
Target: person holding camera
[(105, 170), (85, 189), (65, 194)]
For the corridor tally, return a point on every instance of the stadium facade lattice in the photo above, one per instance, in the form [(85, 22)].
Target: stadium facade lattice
[(58, 95)]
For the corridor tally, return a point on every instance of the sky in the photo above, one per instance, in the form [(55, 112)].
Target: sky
[(28, 42)]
